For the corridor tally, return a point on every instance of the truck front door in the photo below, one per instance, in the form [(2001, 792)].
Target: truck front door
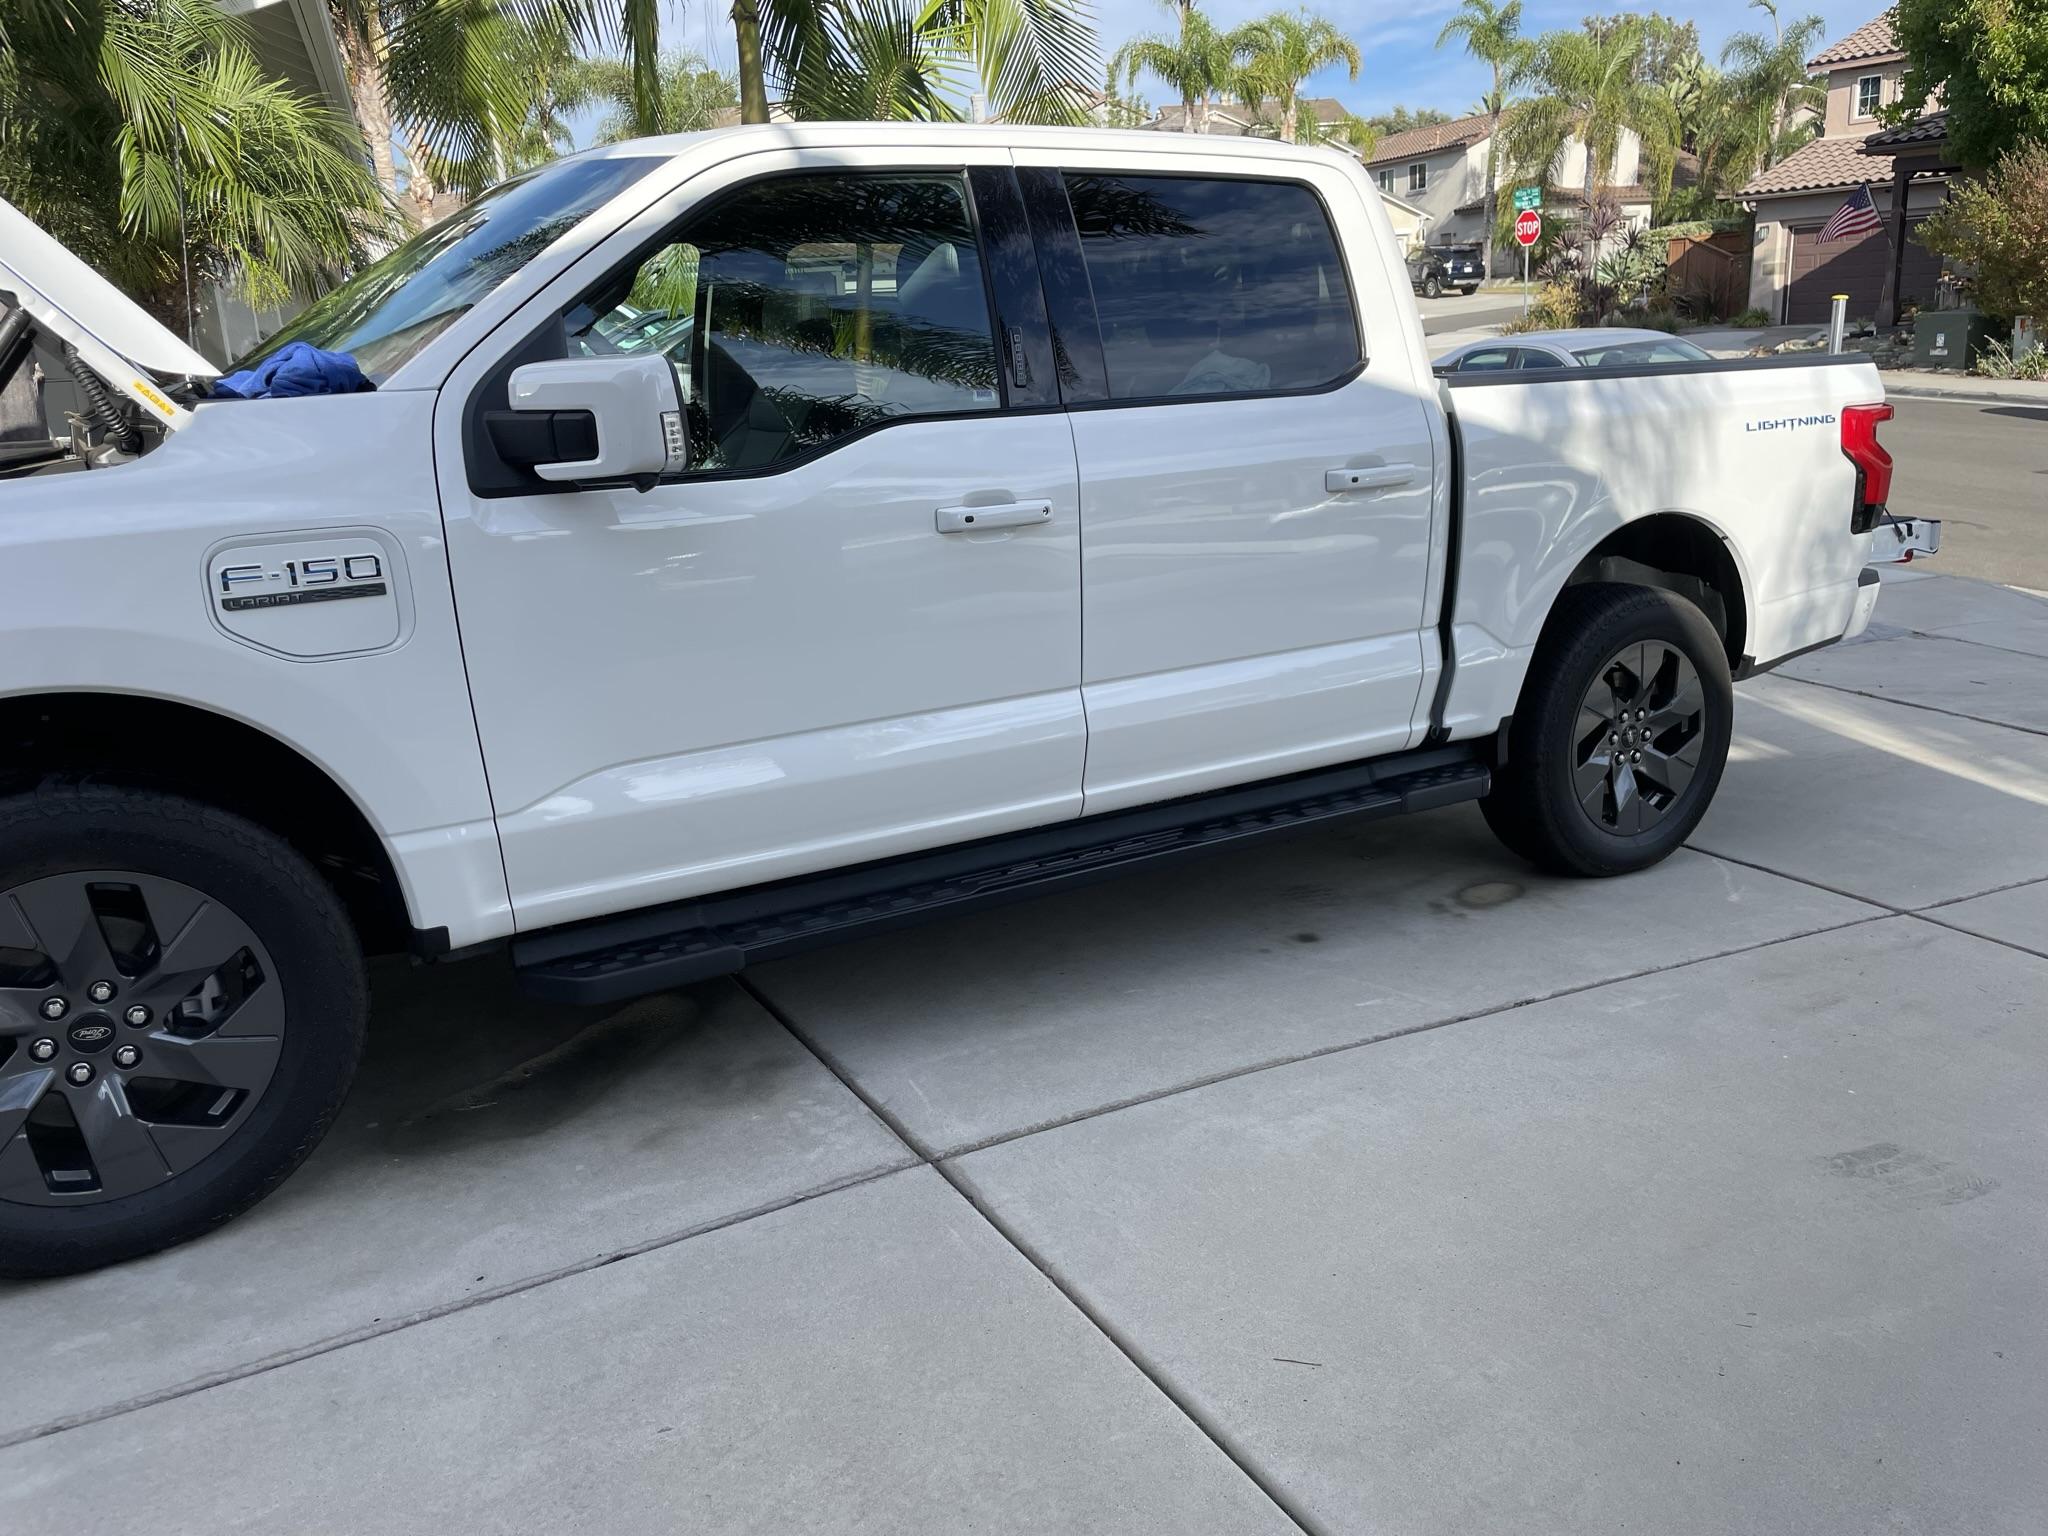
[(849, 628)]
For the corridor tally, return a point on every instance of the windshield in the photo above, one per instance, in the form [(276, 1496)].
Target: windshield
[(387, 312), (1627, 353)]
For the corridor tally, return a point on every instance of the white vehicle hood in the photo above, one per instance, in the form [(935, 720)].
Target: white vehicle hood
[(115, 336)]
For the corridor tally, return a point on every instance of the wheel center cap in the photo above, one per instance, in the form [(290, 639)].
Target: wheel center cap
[(91, 1034)]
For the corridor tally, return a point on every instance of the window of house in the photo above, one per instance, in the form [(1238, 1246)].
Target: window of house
[(805, 309), (1213, 287), (1869, 95), (1418, 177), (1386, 180)]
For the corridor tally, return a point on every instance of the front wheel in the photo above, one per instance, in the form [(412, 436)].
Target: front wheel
[(182, 1002), (1621, 734)]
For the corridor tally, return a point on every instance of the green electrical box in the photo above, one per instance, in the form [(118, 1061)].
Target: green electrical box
[(1949, 338)]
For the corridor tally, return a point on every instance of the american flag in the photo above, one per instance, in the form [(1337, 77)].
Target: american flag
[(1857, 216)]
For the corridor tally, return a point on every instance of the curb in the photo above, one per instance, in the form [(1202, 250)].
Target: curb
[(1914, 391)]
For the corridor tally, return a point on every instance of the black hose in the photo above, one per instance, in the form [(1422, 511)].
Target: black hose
[(120, 430), (14, 344)]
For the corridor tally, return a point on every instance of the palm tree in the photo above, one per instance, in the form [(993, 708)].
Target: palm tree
[(149, 140), (1771, 77), (1590, 87), (1036, 60), (1196, 62), (1493, 35), (693, 95), (1278, 52)]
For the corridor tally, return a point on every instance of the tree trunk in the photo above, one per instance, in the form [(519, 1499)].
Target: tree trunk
[(746, 24), (373, 107), (1290, 121), (1492, 178)]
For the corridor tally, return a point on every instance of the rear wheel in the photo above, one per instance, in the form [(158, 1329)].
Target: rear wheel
[(181, 1010), (1432, 288), (1621, 734), (1469, 289)]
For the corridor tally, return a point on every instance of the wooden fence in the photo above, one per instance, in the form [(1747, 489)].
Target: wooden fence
[(1710, 271)]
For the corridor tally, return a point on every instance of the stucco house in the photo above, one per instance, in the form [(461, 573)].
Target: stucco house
[(1794, 274), (1441, 169)]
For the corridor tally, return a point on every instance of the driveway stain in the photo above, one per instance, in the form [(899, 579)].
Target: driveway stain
[(545, 1090), (1896, 1178), (1482, 894)]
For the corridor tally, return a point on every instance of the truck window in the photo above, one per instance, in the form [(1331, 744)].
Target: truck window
[(388, 311), (805, 309), (1214, 287)]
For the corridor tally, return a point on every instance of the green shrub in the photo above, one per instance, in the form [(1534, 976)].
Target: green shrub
[(1752, 318), (1997, 362), (1556, 308)]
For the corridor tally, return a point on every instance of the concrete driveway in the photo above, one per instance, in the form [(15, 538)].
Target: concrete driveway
[(1369, 1183)]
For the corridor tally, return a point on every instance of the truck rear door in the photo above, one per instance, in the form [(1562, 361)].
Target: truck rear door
[(1255, 477)]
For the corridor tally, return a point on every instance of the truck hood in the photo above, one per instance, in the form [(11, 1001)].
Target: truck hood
[(114, 335)]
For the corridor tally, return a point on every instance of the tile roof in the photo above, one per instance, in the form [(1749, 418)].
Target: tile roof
[(1815, 167), (1929, 128), (1873, 39), (1459, 131), (1234, 119)]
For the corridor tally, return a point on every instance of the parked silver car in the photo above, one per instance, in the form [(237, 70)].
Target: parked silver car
[(1596, 347)]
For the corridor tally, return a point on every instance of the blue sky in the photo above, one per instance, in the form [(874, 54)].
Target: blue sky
[(1397, 37)]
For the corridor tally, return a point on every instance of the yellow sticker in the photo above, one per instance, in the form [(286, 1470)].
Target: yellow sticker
[(156, 397)]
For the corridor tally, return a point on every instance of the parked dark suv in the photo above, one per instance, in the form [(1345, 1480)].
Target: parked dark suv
[(1430, 272), (1464, 267)]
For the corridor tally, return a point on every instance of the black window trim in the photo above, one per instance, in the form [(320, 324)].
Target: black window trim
[(1149, 402), (491, 391)]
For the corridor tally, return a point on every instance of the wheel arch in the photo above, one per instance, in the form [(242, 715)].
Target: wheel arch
[(1678, 552), (149, 742)]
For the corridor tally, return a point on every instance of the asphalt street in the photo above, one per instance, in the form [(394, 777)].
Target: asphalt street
[(1983, 470), (1455, 312)]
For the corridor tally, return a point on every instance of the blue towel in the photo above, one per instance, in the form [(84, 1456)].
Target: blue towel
[(296, 368)]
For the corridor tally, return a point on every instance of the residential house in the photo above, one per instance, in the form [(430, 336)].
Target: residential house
[(1794, 274), (1237, 120), (1441, 169)]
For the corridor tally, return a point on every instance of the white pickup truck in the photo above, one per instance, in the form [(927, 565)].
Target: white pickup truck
[(758, 537)]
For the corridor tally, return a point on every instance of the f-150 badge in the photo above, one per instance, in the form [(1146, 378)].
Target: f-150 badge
[(325, 592), (317, 579)]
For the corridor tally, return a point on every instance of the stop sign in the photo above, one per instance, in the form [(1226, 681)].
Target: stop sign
[(1528, 226)]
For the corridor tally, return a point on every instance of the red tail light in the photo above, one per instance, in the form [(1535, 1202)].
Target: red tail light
[(1873, 465)]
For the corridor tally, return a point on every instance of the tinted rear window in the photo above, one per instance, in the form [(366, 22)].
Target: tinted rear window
[(1214, 287)]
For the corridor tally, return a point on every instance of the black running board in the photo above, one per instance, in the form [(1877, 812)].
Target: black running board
[(652, 951)]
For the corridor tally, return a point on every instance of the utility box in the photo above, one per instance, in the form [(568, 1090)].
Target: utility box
[(1949, 338)]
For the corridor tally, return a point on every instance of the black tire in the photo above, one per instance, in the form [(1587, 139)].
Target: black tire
[(1469, 290), (306, 1034), (1554, 752), (1432, 289)]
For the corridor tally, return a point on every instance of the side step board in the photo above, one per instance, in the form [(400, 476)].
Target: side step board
[(652, 951)]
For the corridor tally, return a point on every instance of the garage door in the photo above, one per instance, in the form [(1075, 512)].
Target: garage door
[(1855, 266)]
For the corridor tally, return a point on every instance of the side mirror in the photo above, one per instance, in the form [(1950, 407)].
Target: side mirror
[(592, 418)]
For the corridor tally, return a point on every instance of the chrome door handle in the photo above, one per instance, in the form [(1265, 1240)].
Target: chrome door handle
[(1008, 514), (1373, 477)]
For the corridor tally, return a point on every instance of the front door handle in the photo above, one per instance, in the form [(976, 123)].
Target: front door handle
[(1008, 514), (1373, 477)]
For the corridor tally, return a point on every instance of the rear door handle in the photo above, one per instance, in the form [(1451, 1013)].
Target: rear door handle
[(1008, 514), (1373, 477)]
